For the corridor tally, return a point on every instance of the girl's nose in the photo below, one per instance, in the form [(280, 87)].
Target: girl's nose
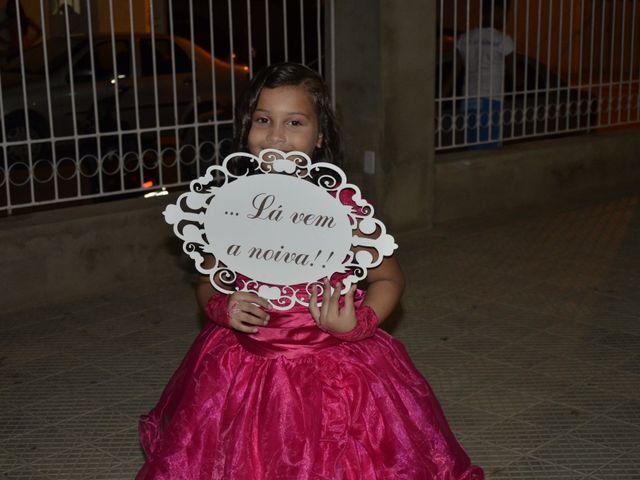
[(276, 135)]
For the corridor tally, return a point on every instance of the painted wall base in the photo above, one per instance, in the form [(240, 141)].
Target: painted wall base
[(535, 174)]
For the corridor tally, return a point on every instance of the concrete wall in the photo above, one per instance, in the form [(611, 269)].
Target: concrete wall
[(65, 254), (537, 173), (385, 61)]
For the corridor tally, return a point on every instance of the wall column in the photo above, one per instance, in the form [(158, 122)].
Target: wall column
[(385, 79)]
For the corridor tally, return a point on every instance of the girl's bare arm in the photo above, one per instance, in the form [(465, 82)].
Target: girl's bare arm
[(386, 284)]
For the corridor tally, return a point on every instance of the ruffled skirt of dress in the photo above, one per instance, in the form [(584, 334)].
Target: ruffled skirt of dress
[(353, 411)]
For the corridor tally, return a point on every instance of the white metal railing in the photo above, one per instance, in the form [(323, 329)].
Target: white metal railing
[(575, 67), (106, 98)]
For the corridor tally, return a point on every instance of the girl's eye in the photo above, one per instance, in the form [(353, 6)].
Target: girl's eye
[(295, 123), (261, 120)]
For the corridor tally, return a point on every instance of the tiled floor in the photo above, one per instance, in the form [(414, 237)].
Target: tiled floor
[(528, 329)]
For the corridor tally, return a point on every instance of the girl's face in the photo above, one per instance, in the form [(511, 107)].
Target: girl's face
[(284, 119)]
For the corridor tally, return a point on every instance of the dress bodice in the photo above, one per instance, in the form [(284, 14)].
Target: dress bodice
[(292, 332)]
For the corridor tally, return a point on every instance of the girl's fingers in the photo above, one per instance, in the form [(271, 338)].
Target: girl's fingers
[(251, 297), (348, 298), (335, 299), (257, 312), (241, 327), (249, 319), (313, 304), (244, 316), (326, 298)]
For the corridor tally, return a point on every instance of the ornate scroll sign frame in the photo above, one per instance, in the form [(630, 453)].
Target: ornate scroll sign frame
[(212, 221)]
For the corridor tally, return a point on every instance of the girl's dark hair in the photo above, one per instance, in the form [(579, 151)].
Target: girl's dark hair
[(292, 74)]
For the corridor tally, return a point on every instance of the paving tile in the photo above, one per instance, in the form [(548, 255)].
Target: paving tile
[(603, 356), (118, 472), (623, 341), (58, 408), (41, 443), (430, 308), (16, 353), (625, 467), (470, 319), (33, 391), (504, 330), (519, 355), (12, 320), (522, 437), (427, 370), (51, 365), (77, 463), (30, 332), (501, 400), (562, 451), (24, 473), (109, 328), (173, 349), (614, 434), (617, 382), (428, 331), (631, 365), (488, 456), (14, 421), (141, 338), (178, 325), (80, 378), (578, 330), (530, 468), (475, 344), (97, 352), (465, 419), (9, 462), (567, 368), (136, 406), (97, 424), (585, 396), (155, 376), (628, 411), (14, 375), (123, 363), (114, 390), (536, 298), (456, 384), (538, 385), (489, 371), (549, 343), (534, 319), (554, 416), (123, 445)]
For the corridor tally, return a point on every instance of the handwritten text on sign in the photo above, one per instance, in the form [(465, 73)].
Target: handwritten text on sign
[(278, 229)]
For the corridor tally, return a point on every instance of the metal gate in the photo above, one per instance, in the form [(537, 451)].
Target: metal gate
[(515, 70), (107, 98)]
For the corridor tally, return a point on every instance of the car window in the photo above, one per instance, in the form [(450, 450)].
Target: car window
[(163, 58), (57, 55), (103, 60)]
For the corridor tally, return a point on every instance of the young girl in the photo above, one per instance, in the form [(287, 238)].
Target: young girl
[(308, 393)]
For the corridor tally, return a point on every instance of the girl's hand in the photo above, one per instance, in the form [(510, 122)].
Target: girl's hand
[(246, 311), (329, 316)]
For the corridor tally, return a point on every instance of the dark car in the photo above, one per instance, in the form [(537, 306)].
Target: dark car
[(127, 95)]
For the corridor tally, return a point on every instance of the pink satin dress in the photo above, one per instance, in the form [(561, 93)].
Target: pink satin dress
[(292, 402)]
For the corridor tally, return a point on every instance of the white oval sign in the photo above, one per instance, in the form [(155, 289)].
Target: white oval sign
[(278, 229)]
